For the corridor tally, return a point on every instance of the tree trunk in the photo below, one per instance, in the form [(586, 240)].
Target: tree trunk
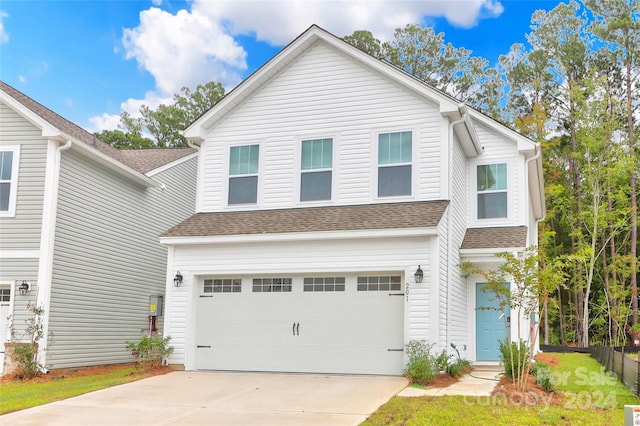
[(563, 340), (634, 195)]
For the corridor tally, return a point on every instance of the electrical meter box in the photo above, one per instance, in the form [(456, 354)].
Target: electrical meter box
[(156, 302)]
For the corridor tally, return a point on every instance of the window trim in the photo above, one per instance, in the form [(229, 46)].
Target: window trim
[(229, 176), (15, 173), (301, 171), (376, 165), (475, 191)]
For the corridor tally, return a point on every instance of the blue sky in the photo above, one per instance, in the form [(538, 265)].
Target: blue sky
[(88, 60)]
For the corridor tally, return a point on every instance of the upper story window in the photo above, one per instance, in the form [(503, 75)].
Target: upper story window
[(315, 178), (492, 190), (8, 180), (243, 174), (394, 164)]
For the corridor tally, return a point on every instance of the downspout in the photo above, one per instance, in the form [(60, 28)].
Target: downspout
[(45, 270), (463, 110), (534, 333)]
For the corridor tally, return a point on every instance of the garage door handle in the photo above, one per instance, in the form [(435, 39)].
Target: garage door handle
[(395, 350), (298, 329)]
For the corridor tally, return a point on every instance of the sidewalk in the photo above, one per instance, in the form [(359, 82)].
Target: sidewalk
[(480, 382)]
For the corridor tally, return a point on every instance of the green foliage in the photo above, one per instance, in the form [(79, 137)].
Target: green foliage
[(150, 352), (422, 366), (458, 367), (119, 139), (543, 375), (25, 345), (515, 357)]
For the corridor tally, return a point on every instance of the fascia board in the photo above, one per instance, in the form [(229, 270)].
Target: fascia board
[(111, 163), (171, 164), (48, 131), (301, 236)]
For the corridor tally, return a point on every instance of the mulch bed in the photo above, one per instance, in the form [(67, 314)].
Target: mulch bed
[(533, 395), (60, 374)]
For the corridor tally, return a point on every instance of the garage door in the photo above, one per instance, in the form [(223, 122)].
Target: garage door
[(336, 324)]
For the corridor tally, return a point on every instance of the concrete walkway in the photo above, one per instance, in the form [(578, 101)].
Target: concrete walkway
[(481, 382), (222, 398)]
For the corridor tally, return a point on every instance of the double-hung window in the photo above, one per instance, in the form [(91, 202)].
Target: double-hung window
[(243, 174), (8, 179), (394, 164), (492, 191), (315, 177)]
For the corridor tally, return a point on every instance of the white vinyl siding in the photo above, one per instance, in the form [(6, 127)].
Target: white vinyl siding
[(107, 259), (21, 230), (323, 93)]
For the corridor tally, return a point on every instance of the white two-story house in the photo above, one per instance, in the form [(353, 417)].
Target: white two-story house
[(336, 198)]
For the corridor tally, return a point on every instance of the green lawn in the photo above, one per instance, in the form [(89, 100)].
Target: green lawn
[(591, 397), (20, 395)]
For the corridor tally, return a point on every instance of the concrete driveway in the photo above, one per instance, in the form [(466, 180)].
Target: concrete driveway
[(222, 398)]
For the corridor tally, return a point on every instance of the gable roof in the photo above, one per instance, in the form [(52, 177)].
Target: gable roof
[(55, 126), (449, 106), (424, 214), (495, 237)]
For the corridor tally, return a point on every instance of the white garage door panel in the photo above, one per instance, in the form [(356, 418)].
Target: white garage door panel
[(338, 332)]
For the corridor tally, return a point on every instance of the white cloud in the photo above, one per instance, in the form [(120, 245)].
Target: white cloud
[(184, 49), (4, 36), (132, 106), (22, 78), (280, 21), (197, 45)]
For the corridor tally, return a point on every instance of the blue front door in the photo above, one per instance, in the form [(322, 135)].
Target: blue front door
[(490, 325)]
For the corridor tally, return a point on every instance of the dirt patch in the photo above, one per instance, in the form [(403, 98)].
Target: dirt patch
[(96, 370), (442, 381), (533, 395), (549, 359)]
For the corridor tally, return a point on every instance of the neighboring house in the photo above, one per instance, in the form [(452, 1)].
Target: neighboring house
[(79, 222), (326, 180)]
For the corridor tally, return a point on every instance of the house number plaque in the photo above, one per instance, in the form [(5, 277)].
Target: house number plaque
[(406, 290)]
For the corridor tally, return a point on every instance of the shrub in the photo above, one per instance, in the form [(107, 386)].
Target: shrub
[(422, 367), (543, 376), (458, 368), (149, 352), (442, 360), (515, 357), (25, 354)]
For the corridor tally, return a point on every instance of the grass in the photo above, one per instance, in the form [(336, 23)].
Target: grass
[(591, 397), (20, 395)]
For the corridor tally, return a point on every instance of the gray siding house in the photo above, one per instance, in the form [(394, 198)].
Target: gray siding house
[(79, 222)]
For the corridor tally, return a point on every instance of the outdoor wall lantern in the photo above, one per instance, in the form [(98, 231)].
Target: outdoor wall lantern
[(177, 281), (418, 275), (23, 288)]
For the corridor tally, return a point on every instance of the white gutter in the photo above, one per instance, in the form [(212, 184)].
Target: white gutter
[(527, 161), (463, 110)]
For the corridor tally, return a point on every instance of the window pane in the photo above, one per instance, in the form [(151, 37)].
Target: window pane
[(244, 160), (492, 177), (394, 148), (394, 181), (5, 189), (315, 186), (317, 154), (492, 205), (6, 161), (243, 190)]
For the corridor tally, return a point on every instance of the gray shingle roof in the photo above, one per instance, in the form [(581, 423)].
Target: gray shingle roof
[(145, 160), (423, 214), (496, 237), (141, 161)]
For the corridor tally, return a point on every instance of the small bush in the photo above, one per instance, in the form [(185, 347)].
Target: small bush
[(543, 376), (421, 365), (518, 352), (150, 351), (442, 360), (25, 354), (458, 368)]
